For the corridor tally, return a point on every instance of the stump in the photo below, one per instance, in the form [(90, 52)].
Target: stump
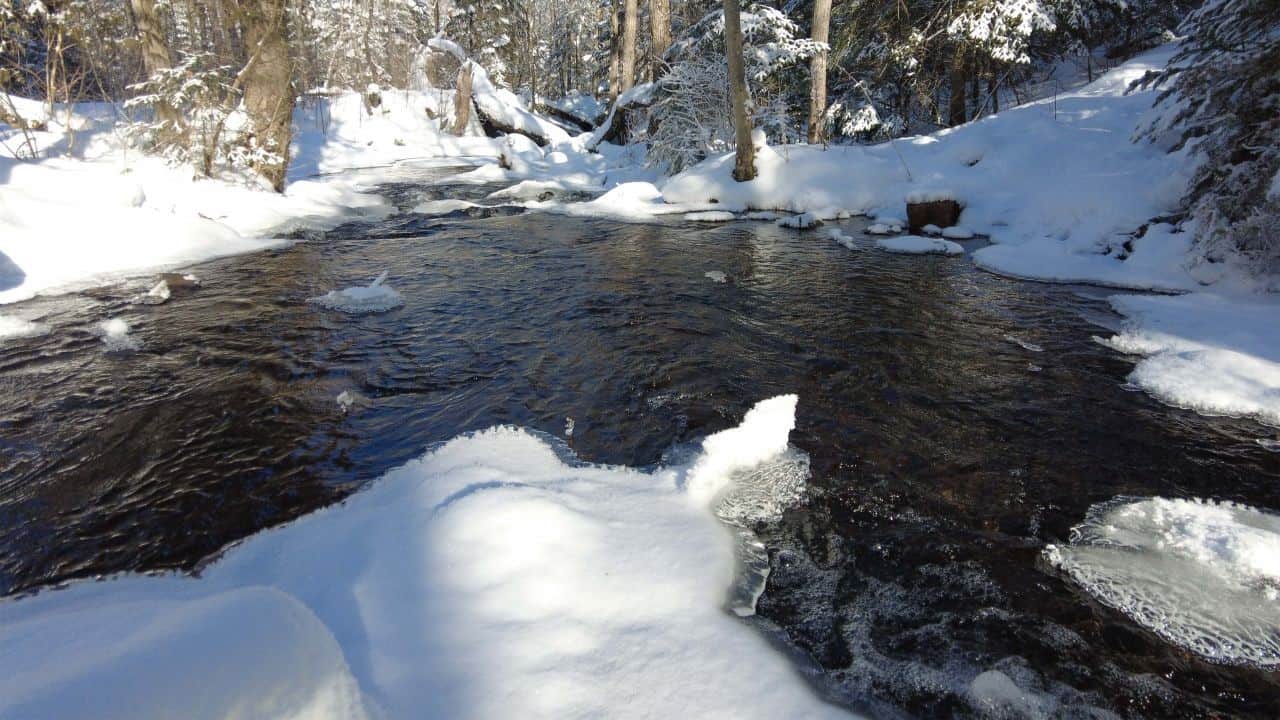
[(943, 213)]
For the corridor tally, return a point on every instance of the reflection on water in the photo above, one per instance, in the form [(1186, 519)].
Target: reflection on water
[(943, 454)]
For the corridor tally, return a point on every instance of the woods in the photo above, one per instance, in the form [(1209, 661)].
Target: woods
[(212, 83)]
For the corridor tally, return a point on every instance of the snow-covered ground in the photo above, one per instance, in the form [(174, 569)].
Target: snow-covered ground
[(485, 577), (68, 222)]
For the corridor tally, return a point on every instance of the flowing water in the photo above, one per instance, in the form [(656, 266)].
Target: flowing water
[(955, 422)]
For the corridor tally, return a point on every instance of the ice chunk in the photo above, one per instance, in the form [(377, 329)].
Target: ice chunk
[(1202, 575), (345, 400), (715, 276), (883, 229), (803, 221), (955, 232), (998, 696), (768, 215), (12, 327), (916, 245), (115, 335), (714, 216), (931, 230), (371, 298), (1024, 344), (838, 235)]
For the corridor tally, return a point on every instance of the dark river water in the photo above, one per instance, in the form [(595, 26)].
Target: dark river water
[(944, 452)]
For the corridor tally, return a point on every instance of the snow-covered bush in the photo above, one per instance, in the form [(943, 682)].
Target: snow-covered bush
[(691, 118), (1221, 94), (190, 115)]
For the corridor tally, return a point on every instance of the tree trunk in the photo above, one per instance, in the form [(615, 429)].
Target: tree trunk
[(268, 90), (818, 73), (615, 48), (630, 21), (744, 167), (957, 105), (462, 100), (155, 51), (659, 33)]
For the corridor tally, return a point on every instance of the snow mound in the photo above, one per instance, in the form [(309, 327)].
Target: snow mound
[(12, 327), (956, 232), (115, 335), (916, 245), (487, 575), (371, 298), (883, 229), (802, 221), (714, 216), (715, 276), (1202, 575)]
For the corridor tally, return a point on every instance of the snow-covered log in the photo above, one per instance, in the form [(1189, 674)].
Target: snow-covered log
[(563, 117), (614, 127)]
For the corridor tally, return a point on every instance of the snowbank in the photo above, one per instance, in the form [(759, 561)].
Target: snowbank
[(485, 576), (67, 223), (1209, 353), (1204, 576), (1052, 188)]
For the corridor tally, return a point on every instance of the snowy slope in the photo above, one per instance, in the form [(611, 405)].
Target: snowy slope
[(486, 579), (67, 222)]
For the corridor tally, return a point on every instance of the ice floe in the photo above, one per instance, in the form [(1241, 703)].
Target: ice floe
[(916, 245), (371, 298), (1202, 575)]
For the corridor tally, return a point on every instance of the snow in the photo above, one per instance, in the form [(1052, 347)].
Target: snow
[(956, 232), (372, 298), (1202, 575), (115, 335), (487, 575), (916, 245), (931, 229), (1206, 352), (883, 229), (716, 276), (929, 195), (712, 216), (444, 207)]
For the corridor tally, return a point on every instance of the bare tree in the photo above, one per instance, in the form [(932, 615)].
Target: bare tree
[(630, 21), (744, 167), (818, 72), (268, 92), (660, 33), (462, 100)]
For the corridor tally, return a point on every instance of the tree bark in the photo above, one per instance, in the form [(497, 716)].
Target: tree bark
[(615, 48), (956, 116), (268, 88), (818, 73), (744, 167), (462, 100), (630, 23), (659, 33), (155, 51)]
